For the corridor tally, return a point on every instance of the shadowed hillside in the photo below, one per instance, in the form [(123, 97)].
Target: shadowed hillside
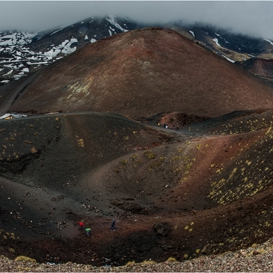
[(260, 67), (141, 73), (205, 188)]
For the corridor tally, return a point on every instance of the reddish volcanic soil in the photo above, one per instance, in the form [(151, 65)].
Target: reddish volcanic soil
[(201, 186), (205, 188), (141, 73)]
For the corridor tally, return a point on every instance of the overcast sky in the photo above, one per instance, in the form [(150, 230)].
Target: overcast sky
[(249, 17)]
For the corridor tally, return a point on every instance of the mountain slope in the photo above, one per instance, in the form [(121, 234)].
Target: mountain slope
[(141, 73), (24, 52)]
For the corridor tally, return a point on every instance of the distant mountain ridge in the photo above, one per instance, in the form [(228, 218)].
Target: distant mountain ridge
[(25, 52)]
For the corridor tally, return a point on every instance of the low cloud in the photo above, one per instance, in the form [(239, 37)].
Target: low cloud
[(251, 18)]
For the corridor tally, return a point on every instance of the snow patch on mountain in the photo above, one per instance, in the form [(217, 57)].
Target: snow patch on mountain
[(192, 33), (230, 60), (12, 39), (17, 58), (114, 22), (216, 41)]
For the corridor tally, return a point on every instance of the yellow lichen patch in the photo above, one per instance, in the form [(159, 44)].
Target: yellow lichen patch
[(171, 260), (25, 259), (130, 263)]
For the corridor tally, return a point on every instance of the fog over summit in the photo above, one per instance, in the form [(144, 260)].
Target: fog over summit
[(248, 17)]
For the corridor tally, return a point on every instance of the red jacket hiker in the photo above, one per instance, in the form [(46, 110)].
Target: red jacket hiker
[(81, 224)]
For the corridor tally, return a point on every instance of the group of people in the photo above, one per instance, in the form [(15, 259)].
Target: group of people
[(88, 230)]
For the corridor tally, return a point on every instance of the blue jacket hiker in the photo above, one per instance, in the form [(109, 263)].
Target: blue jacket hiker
[(113, 225)]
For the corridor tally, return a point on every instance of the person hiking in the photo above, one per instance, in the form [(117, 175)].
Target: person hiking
[(87, 230), (81, 224), (113, 225)]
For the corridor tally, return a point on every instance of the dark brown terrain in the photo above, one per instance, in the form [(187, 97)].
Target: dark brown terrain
[(204, 188)]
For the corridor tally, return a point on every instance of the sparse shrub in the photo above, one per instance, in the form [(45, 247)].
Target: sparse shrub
[(198, 147), (11, 250), (80, 142), (149, 154), (123, 161)]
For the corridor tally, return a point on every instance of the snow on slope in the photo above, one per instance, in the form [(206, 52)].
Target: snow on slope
[(17, 59)]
